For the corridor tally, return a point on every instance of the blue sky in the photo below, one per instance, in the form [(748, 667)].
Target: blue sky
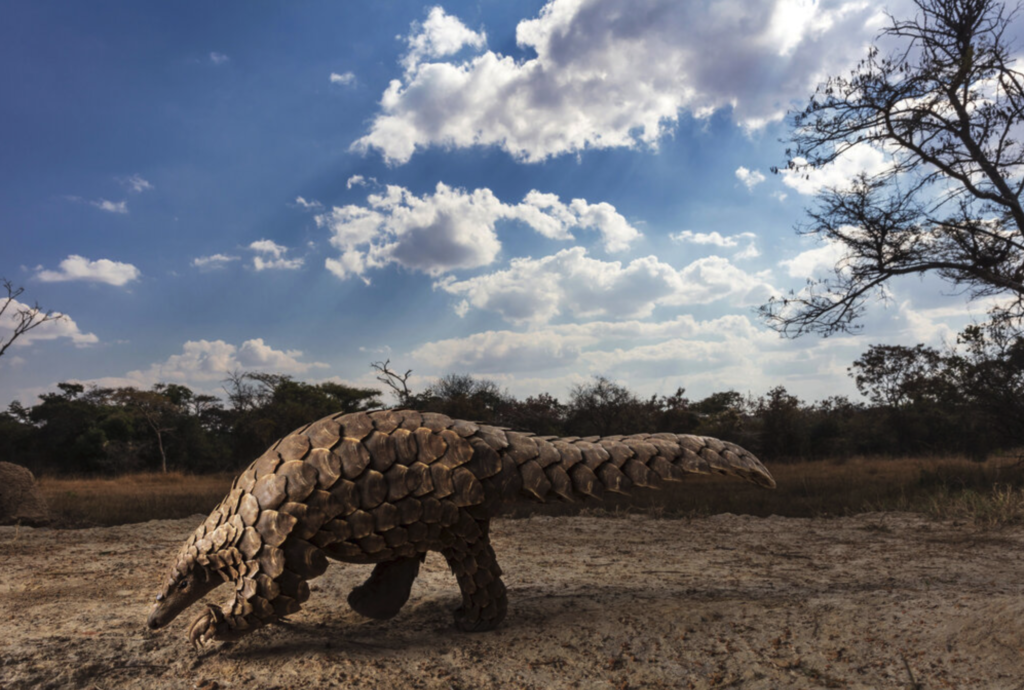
[(532, 192)]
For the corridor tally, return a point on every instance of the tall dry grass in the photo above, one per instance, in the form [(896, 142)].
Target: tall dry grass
[(943, 487), (1002, 505), (989, 493), (90, 501)]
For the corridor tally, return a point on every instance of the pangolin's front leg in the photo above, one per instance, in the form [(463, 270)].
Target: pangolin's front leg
[(258, 601), (217, 624), (471, 558), (387, 589)]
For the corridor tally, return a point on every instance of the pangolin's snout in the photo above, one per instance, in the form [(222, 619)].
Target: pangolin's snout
[(155, 620)]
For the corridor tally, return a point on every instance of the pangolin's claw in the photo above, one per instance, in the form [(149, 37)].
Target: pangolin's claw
[(204, 627)]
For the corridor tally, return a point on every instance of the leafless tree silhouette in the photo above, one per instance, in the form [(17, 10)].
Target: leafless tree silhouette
[(22, 319), (398, 383), (949, 111)]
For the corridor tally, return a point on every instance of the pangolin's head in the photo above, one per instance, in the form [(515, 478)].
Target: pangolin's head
[(188, 582)]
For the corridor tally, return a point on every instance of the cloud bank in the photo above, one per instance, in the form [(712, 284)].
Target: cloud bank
[(205, 362), (612, 73), (571, 284)]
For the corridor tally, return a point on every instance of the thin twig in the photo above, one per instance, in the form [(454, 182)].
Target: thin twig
[(914, 685)]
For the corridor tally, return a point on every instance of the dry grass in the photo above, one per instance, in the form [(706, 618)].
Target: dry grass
[(943, 487), (1003, 505), (953, 488), (85, 502)]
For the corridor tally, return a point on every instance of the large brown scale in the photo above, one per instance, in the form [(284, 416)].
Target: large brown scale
[(386, 487)]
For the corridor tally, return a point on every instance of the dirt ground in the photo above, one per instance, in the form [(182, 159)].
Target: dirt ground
[(873, 601)]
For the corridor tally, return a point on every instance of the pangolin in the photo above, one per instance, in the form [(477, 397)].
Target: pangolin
[(385, 488)]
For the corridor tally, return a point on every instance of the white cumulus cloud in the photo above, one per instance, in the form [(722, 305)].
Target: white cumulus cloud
[(612, 73), (343, 79), (271, 255), (269, 247), (309, 205), (454, 228), (204, 362), (615, 230), (749, 252), (441, 35), (255, 354), (838, 174), (77, 267), (535, 291), (819, 262), (61, 327), (434, 233), (750, 178), (218, 58), (550, 217)]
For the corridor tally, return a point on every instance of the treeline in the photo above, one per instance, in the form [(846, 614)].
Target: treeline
[(116, 430), (967, 401)]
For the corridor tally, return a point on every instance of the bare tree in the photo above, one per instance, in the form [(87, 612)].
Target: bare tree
[(398, 383), (22, 319), (949, 111)]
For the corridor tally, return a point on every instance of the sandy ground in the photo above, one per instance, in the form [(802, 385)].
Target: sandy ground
[(874, 601)]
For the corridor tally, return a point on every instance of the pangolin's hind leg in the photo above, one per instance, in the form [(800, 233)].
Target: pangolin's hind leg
[(471, 558), (387, 589)]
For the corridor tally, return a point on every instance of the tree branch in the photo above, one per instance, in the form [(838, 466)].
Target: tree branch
[(23, 319)]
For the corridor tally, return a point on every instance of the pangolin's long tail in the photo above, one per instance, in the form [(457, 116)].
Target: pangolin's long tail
[(545, 467), (570, 468)]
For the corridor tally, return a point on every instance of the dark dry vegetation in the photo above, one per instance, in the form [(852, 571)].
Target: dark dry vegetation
[(936, 435), (920, 402), (928, 440), (990, 493)]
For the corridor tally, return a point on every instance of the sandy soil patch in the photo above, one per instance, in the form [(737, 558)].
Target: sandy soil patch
[(877, 600)]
